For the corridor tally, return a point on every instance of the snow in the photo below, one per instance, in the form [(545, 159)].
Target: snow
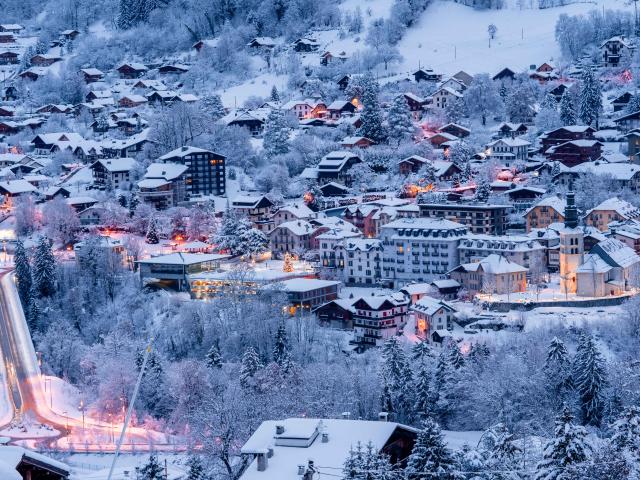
[(450, 37), (184, 258), (258, 85)]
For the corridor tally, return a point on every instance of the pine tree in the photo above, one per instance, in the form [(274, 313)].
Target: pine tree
[(444, 384), (281, 354), (368, 464), (250, 365), (212, 105), (568, 448), (430, 457), (396, 373), (252, 241), (152, 234), (589, 379), (226, 237), (214, 357), (421, 352), (590, 98), (483, 191), (399, 121), (568, 114), (557, 367), (275, 96), (626, 431), (287, 266), (455, 356), (32, 313), (152, 470), (195, 468), (634, 104), (423, 404), (23, 273), (371, 116), (44, 268), (276, 133), (354, 463)]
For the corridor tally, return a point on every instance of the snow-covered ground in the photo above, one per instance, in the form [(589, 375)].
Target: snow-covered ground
[(96, 466)]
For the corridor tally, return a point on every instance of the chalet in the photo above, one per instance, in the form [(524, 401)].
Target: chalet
[(163, 185), (308, 293), (412, 164), (378, 318), (8, 58), (505, 75), (454, 84), (88, 151), (454, 129), (16, 188), (623, 175), (7, 111), (128, 147), (415, 103), (147, 84), (439, 139), (44, 60), (443, 170), (45, 143), (262, 43), (20, 463), (558, 91), (81, 203), (343, 82), (509, 150), (254, 123), (426, 75), (543, 73), (173, 68), (290, 212), (464, 78), (34, 73), (257, 208), (132, 100), (162, 97), (493, 275), (547, 211), (112, 173), (507, 129), (300, 108), (621, 101), (524, 195), (356, 142), (327, 57), (432, 315), (337, 313), (611, 210), (575, 152), (69, 34), (8, 127), (633, 145), (7, 37), (565, 134), (444, 96), (306, 45), (335, 166), (338, 108), (93, 95), (333, 189), (11, 28), (615, 51), (132, 70), (92, 75), (56, 108), (630, 121)]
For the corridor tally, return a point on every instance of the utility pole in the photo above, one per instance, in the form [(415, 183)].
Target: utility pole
[(130, 409)]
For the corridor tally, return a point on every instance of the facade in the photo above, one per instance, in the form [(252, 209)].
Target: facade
[(518, 249), (491, 275), (575, 152), (112, 172), (509, 150), (206, 173), (547, 211), (566, 134), (309, 293), (615, 50), (257, 208), (363, 261), (611, 210), (419, 249), (443, 97), (479, 218), (292, 237), (163, 185), (432, 315), (175, 268), (336, 313), (378, 318)]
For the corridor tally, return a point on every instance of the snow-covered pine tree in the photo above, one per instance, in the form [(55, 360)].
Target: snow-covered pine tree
[(423, 404), (354, 463), (557, 367), (454, 111), (396, 373), (625, 431), (421, 352), (23, 273), (249, 366), (195, 468), (399, 121), (214, 357), (275, 96), (429, 173), (44, 268), (590, 97), (589, 379), (568, 114), (483, 191), (281, 354), (482, 97), (455, 356), (634, 103), (371, 116), (32, 313), (152, 233), (253, 241), (276, 133), (430, 457), (444, 384), (568, 448), (226, 237), (152, 469), (212, 105)]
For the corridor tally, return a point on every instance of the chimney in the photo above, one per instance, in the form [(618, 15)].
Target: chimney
[(383, 416), (325, 438), (262, 462), (279, 429)]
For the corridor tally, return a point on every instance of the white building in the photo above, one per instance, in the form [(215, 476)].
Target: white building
[(419, 249), (363, 261)]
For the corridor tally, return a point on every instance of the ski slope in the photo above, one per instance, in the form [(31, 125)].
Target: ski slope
[(450, 37)]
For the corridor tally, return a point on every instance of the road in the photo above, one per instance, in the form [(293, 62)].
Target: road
[(25, 387)]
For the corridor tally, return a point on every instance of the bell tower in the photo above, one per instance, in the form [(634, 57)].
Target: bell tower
[(571, 245)]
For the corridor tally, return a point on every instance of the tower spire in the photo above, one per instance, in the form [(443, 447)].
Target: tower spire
[(571, 211)]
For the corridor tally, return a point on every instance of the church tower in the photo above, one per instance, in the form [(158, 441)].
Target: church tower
[(571, 245)]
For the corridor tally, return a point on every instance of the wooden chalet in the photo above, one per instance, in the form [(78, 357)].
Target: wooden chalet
[(426, 75), (506, 74), (132, 70), (9, 58)]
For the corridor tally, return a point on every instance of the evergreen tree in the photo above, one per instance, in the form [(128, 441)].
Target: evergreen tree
[(195, 468), (23, 274), (44, 268), (368, 464), (590, 98), (589, 379), (281, 354), (152, 234), (399, 121), (214, 357), (557, 367), (152, 389), (250, 365), (568, 114), (626, 432), (396, 373), (455, 356), (212, 104), (455, 110), (226, 237), (634, 103), (430, 457), (421, 352), (444, 384), (275, 96), (32, 313), (152, 470), (252, 241), (371, 116), (423, 404), (276, 133), (568, 448), (483, 191)]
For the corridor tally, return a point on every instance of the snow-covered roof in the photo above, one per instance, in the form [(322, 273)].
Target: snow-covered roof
[(300, 210), (616, 253), (494, 264), (510, 142), (554, 201), (619, 171), (165, 171), (306, 284), (446, 283), (621, 207), (376, 301), (11, 456), (423, 223), (362, 244), (117, 164), (297, 227), (80, 200), (416, 288), (134, 98), (152, 183), (134, 65), (92, 71), (180, 258), (593, 264), (16, 187), (429, 306), (182, 152)]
